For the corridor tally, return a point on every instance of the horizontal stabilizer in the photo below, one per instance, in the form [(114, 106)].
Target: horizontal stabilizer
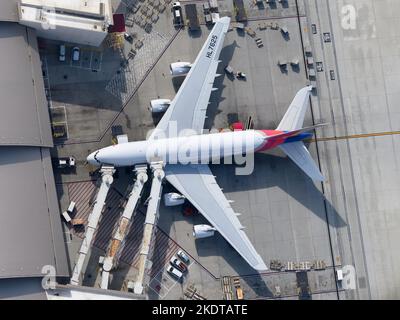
[(295, 132), (299, 154)]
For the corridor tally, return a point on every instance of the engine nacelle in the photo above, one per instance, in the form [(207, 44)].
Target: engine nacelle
[(173, 199), (159, 105), (203, 231), (180, 68)]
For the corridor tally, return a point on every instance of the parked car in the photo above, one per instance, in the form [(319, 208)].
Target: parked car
[(183, 256), (62, 53), (175, 272), (178, 264), (76, 53), (128, 37)]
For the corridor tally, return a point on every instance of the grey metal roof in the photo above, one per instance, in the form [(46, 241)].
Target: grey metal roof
[(24, 117), (31, 233), (8, 10)]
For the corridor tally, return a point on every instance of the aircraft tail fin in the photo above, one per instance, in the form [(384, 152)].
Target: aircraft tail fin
[(294, 116), (292, 125), (299, 154)]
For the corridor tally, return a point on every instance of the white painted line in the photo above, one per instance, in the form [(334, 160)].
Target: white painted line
[(66, 121), (100, 61), (90, 61)]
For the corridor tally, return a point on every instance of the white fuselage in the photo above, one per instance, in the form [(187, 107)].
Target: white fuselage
[(193, 149)]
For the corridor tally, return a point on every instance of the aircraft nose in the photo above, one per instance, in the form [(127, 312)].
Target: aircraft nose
[(92, 158)]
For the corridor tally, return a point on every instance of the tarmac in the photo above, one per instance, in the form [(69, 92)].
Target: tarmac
[(363, 168), (348, 220)]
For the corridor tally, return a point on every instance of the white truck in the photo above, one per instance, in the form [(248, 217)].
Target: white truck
[(177, 11), (67, 162)]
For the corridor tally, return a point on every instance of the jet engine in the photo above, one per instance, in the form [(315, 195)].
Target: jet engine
[(203, 231), (180, 68), (159, 105)]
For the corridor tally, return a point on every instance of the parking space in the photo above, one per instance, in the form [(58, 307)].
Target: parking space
[(58, 114), (59, 122), (96, 60), (163, 282), (88, 59)]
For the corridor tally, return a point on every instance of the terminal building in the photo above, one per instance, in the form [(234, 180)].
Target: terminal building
[(31, 235), (32, 241), (76, 21)]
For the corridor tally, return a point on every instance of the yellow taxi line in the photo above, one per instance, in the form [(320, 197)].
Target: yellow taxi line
[(357, 136)]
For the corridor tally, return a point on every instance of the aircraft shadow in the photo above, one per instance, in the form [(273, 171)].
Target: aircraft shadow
[(215, 246), (216, 96), (269, 171)]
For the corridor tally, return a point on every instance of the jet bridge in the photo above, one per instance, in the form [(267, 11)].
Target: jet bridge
[(94, 218), (111, 258), (150, 223)]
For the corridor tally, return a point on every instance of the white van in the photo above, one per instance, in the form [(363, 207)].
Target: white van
[(175, 272), (62, 53)]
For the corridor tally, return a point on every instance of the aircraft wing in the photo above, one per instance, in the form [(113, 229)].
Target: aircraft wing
[(189, 107), (198, 185)]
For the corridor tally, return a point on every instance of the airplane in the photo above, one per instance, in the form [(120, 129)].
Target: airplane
[(190, 174)]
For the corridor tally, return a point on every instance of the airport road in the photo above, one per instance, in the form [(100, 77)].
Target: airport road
[(363, 172)]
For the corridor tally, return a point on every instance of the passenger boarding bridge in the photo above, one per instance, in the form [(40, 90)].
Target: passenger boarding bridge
[(110, 261)]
